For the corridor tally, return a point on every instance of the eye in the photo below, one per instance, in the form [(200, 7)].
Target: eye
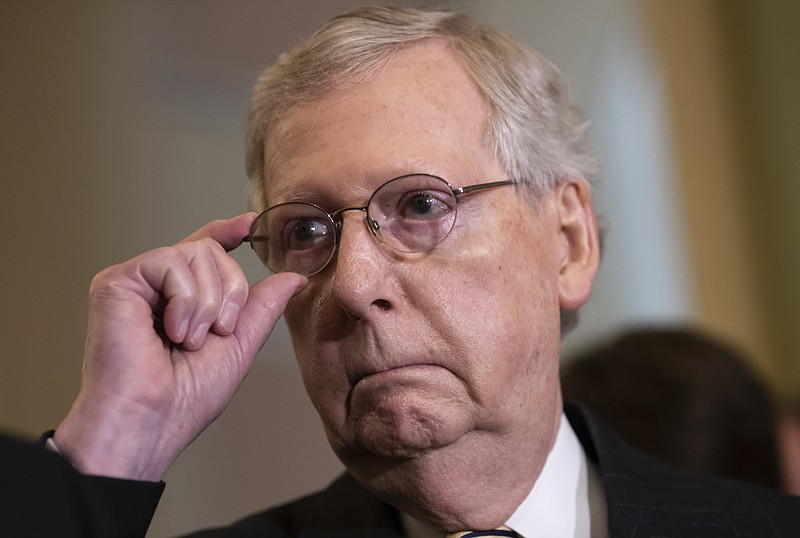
[(305, 233), (422, 205)]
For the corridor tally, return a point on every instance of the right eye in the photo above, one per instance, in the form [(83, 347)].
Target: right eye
[(305, 233)]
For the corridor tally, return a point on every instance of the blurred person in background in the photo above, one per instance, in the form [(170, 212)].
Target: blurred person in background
[(789, 443), (686, 398)]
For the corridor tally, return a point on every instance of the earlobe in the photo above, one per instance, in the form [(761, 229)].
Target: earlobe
[(580, 254)]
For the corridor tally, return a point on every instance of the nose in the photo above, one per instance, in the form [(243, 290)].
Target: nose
[(361, 281)]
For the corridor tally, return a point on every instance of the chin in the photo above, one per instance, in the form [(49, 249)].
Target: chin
[(406, 423)]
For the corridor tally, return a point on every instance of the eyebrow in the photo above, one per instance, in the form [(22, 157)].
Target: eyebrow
[(326, 196), (310, 191), (296, 193)]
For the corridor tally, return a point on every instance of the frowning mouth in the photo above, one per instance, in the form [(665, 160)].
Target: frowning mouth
[(401, 385), (398, 372)]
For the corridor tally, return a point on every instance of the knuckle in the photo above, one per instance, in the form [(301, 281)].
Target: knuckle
[(207, 306), (204, 249), (103, 280), (165, 257), (237, 283), (209, 245)]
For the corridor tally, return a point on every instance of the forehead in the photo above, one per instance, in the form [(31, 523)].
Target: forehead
[(422, 112)]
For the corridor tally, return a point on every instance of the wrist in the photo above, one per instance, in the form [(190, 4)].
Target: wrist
[(98, 440)]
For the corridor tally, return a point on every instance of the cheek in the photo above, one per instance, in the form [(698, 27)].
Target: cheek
[(308, 316), (300, 319), (497, 283), (504, 315), (504, 342), (304, 317), (501, 305)]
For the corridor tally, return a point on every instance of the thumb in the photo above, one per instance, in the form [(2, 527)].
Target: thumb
[(265, 305)]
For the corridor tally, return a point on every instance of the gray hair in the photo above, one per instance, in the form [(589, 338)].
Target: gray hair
[(533, 128)]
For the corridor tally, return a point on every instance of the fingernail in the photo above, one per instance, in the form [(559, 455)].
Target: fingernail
[(300, 286), (199, 335), (228, 315), (182, 330)]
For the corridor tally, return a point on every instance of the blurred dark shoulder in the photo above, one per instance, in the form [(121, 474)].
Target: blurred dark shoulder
[(687, 398)]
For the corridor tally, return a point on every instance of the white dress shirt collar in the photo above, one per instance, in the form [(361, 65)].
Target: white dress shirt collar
[(558, 504)]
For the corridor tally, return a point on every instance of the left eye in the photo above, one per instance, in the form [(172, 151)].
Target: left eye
[(422, 205)]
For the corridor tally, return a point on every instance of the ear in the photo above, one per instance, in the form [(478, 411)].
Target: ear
[(580, 247)]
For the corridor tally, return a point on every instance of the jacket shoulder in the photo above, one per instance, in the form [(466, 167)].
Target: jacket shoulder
[(647, 498)]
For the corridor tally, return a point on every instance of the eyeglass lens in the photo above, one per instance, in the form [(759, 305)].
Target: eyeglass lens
[(410, 214)]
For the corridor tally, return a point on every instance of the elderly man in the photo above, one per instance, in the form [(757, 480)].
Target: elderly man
[(431, 228)]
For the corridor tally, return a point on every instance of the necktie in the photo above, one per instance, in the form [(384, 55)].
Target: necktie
[(500, 532)]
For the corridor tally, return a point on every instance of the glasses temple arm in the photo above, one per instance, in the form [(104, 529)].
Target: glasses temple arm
[(482, 186)]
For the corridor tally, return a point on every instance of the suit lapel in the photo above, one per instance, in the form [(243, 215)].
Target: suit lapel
[(646, 498)]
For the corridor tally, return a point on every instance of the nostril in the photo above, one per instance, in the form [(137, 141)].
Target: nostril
[(382, 304)]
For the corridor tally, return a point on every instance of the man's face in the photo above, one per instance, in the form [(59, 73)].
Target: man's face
[(434, 366)]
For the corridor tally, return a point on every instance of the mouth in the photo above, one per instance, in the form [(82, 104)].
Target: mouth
[(406, 381), (396, 372)]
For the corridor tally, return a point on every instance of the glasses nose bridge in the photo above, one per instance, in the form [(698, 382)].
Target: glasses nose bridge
[(338, 219)]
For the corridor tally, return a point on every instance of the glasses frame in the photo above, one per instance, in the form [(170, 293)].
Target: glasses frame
[(372, 225)]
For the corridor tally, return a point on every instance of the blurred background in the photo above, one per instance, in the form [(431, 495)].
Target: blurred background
[(122, 129)]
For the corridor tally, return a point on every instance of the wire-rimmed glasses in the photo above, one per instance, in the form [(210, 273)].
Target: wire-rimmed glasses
[(411, 213)]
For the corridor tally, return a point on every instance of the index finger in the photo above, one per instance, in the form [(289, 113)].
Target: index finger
[(227, 232)]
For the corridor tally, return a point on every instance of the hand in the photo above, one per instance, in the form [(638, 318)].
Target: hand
[(172, 334)]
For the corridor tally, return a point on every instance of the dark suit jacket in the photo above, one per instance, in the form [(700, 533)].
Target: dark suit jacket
[(42, 495), (645, 499)]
